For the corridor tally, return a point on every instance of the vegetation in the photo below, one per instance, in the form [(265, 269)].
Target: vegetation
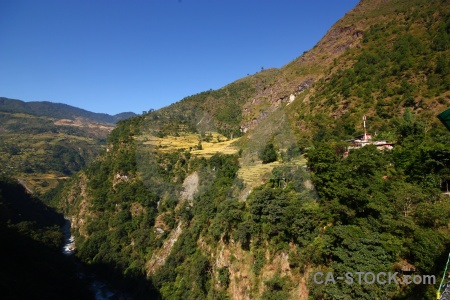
[(371, 212), (41, 153), (163, 216), (382, 212), (57, 110), (215, 110), (400, 63), (268, 154), (33, 266)]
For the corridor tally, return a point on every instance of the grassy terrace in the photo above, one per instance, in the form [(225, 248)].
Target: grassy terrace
[(190, 141), (257, 173), (252, 172)]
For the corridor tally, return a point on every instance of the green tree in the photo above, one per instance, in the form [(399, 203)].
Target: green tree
[(268, 154)]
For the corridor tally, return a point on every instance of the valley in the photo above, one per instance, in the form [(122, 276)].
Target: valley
[(248, 191), (44, 143)]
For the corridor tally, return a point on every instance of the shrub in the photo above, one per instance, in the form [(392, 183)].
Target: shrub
[(268, 154)]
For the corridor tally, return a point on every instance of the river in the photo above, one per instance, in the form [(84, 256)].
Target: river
[(101, 289)]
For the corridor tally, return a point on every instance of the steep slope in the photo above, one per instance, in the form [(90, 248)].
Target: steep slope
[(33, 266), (380, 58), (255, 230), (400, 61)]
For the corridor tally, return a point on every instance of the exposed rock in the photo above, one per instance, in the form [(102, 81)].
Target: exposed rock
[(159, 257), (308, 184), (159, 230), (358, 33), (190, 187), (305, 84), (244, 129), (23, 183), (120, 178), (404, 266)]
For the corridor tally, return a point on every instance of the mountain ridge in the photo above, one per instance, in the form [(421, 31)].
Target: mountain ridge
[(58, 110), (291, 198)]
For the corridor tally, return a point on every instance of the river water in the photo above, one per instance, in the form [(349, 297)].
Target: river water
[(69, 241), (100, 288)]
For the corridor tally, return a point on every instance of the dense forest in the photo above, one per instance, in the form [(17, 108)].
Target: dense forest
[(385, 207), (239, 193), (372, 211)]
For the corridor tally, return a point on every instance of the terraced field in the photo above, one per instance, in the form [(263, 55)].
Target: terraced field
[(252, 172), (41, 151), (190, 141)]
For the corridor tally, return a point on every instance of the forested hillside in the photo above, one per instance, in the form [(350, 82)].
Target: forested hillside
[(33, 266), (163, 216), (401, 62)]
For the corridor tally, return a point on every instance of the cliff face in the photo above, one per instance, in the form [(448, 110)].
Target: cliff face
[(178, 202)]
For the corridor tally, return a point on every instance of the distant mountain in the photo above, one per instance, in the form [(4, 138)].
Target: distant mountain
[(43, 143), (58, 110)]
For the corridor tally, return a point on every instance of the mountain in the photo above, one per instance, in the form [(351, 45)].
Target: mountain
[(372, 60), (58, 110), (43, 143), (255, 191)]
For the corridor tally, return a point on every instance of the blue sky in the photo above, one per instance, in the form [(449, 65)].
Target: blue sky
[(114, 55)]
